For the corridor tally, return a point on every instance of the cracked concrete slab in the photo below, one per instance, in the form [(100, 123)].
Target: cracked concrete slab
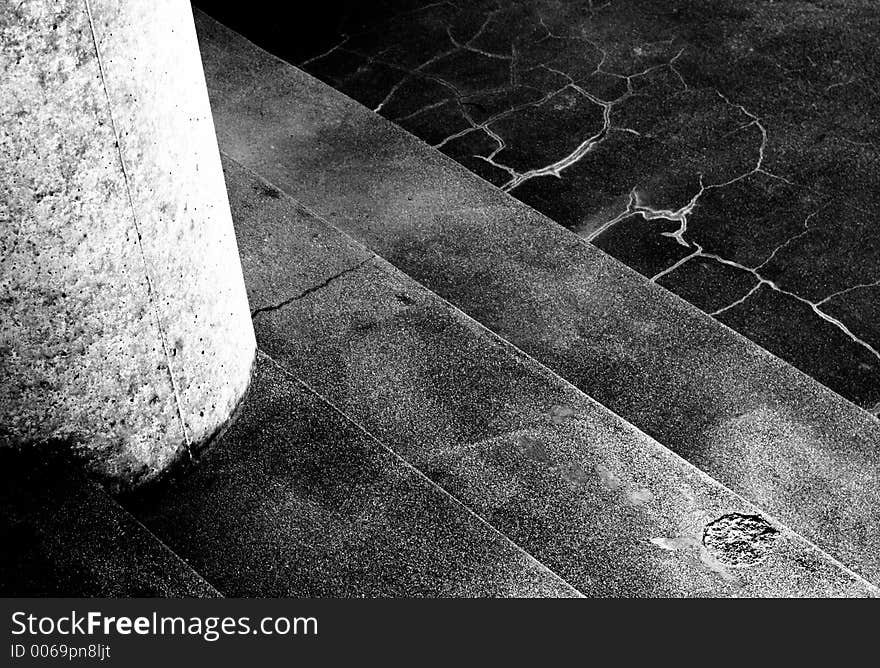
[(596, 114), (580, 489), (748, 419)]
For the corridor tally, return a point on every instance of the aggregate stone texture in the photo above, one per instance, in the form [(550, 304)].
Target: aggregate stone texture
[(727, 150), (123, 297), (607, 508), (751, 421), (63, 535), (295, 500)]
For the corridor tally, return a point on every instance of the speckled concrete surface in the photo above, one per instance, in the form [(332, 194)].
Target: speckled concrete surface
[(600, 503), (62, 535), (123, 297), (749, 420), (294, 500)]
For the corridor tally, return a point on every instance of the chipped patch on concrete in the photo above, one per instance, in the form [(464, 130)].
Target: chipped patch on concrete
[(736, 539)]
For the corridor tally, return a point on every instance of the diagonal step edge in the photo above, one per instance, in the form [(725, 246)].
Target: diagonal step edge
[(419, 474), (549, 373)]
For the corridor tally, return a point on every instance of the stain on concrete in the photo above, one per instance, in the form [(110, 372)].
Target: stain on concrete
[(559, 414), (608, 479), (639, 496), (534, 448)]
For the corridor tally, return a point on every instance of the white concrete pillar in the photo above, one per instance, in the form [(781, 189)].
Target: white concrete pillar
[(126, 334)]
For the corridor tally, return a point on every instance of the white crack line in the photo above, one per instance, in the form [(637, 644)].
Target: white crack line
[(409, 75), (587, 145), (469, 45), (814, 306), (327, 53), (681, 216), (860, 286), (675, 266), (738, 301), (634, 205), (557, 167)]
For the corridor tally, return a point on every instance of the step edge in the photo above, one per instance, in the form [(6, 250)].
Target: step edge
[(548, 372), (153, 537), (419, 474)]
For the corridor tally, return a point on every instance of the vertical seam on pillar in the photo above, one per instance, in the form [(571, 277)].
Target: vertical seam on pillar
[(150, 290)]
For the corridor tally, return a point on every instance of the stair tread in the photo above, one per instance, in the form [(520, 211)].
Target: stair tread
[(748, 419), (295, 501), (65, 536), (607, 508)]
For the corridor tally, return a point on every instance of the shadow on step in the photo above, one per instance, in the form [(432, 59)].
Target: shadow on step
[(65, 536), (294, 500)]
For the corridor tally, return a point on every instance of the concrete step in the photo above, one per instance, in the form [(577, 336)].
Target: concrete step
[(295, 500), (751, 421), (65, 536), (598, 502)]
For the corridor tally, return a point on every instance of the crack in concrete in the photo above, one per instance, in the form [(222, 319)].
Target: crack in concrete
[(326, 53), (516, 178), (839, 293), (308, 291), (468, 46), (681, 216), (814, 306), (409, 73), (635, 206)]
